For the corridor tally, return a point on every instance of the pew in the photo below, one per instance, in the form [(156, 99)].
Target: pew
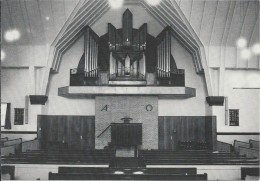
[(17, 142), (4, 139), (7, 150), (254, 144), (30, 145), (162, 157), (237, 144), (128, 170), (247, 171), (224, 147), (7, 172), (249, 152), (91, 157), (113, 176)]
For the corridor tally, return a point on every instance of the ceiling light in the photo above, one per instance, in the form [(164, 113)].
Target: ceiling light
[(118, 172), (153, 2), (241, 42), (256, 49), (16, 34), (9, 36), (138, 172), (116, 4), (246, 54), (3, 55), (47, 18), (12, 35)]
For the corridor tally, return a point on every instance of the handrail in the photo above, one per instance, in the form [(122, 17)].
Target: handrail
[(103, 131)]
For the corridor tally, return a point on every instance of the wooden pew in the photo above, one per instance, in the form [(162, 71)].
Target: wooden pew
[(237, 144), (254, 144), (7, 150), (128, 170), (224, 147), (249, 152), (17, 142), (8, 171), (98, 176), (30, 145), (62, 158), (4, 139), (245, 171)]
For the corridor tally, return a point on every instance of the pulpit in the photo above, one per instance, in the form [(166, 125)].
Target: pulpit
[(126, 134)]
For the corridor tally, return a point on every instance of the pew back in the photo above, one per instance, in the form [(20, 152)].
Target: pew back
[(13, 142), (128, 170), (251, 171), (7, 150), (249, 152), (238, 144), (254, 144), (4, 139), (8, 170), (30, 145), (98, 176), (224, 147)]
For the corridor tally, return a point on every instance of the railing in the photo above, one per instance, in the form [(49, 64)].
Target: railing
[(132, 76), (104, 131)]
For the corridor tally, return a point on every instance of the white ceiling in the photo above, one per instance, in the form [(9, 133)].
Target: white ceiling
[(216, 22)]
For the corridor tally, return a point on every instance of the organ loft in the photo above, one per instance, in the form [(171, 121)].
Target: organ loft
[(142, 90)]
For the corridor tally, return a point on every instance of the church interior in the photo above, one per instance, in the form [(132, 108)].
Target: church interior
[(130, 89)]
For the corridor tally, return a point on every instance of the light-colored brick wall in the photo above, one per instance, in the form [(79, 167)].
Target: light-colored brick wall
[(130, 106)]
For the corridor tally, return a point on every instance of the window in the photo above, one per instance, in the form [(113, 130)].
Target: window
[(18, 116), (5, 115), (233, 117)]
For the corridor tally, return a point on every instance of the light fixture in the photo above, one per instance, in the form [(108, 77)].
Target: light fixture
[(138, 172), (153, 2), (241, 42), (246, 54), (256, 49), (47, 18), (3, 55), (119, 172), (12, 35), (116, 4), (16, 34)]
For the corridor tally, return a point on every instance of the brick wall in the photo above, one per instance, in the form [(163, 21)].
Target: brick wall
[(143, 109)]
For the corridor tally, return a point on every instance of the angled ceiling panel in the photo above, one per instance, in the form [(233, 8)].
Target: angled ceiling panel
[(196, 15), (208, 21), (250, 20), (220, 22), (69, 6), (228, 22), (237, 22), (186, 7)]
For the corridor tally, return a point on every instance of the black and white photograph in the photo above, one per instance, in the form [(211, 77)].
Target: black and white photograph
[(130, 89)]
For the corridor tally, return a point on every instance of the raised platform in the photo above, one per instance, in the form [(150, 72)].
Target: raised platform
[(92, 91)]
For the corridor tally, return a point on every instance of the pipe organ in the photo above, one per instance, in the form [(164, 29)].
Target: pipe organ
[(126, 56), (91, 53), (164, 53)]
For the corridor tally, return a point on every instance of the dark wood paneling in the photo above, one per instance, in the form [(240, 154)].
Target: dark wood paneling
[(74, 132), (174, 129)]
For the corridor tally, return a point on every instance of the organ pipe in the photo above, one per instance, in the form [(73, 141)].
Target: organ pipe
[(91, 53)]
